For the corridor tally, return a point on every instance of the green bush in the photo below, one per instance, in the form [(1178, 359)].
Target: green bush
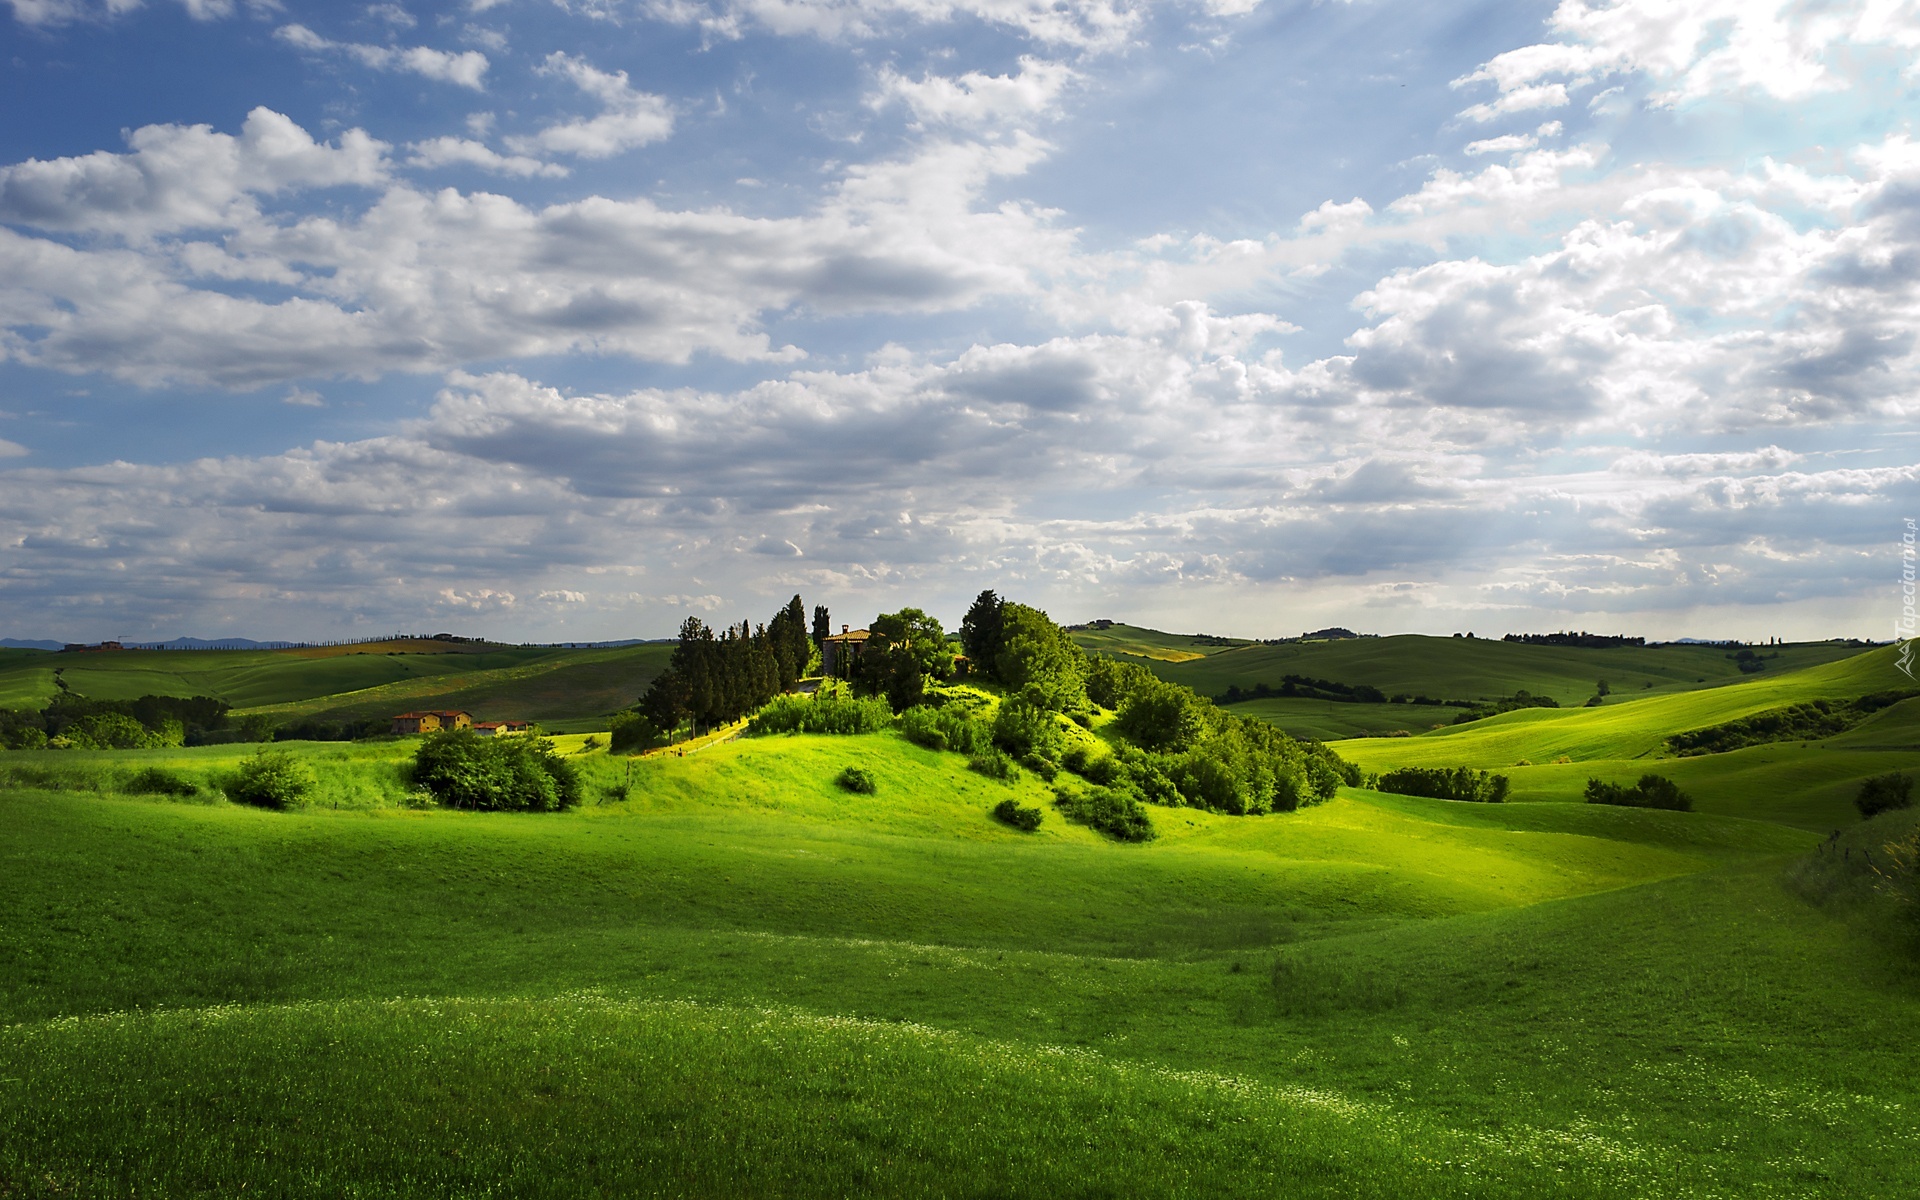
[(1011, 812), (1116, 813), (270, 779), (1024, 726), (944, 728), (498, 774), (1884, 793), (630, 732), (994, 764), (158, 781), (826, 711), (1652, 791), (1439, 783), (853, 779)]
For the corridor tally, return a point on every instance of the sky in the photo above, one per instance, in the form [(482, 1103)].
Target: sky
[(561, 319)]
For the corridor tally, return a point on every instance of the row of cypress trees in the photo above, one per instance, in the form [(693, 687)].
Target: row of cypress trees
[(717, 678)]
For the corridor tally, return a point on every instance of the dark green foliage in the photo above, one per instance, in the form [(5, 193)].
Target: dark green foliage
[(945, 729), (1103, 769), (853, 779), (982, 633), (1162, 717), (1652, 791), (1309, 688), (1012, 812), (1026, 727), (822, 625), (994, 764), (1110, 681), (1748, 662), (1114, 812), (1039, 660), (1439, 783), (1806, 722), (158, 781), (1884, 793), (150, 721), (631, 732), (271, 779), (826, 711), (890, 669), (310, 730), (1519, 700), (716, 679), (499, 774)]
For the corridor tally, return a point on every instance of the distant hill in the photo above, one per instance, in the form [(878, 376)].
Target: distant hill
[(28, 644)]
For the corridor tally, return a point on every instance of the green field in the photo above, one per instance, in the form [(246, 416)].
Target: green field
[(741, 980), (560, 687)]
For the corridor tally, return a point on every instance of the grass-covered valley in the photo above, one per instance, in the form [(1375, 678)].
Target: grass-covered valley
[(721, 971)]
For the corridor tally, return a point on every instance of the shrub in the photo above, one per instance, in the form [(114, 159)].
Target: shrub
[(853, 779), (1884, 793), (1162, 716), (629, 732), (994, 764), (1438, 783), (270, 779), (945, 728), (1011, 812), (1652, 791), (1023, 727), (1041, 766), (516, 774), (826, 711), (1116, 813), (157, 781)]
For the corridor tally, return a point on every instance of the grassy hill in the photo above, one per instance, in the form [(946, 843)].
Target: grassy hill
[(1806, 783), (725, 975), (1136, 642), (543, 683), (740, 979)]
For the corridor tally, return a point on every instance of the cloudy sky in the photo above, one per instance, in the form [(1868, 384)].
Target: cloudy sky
[(557, 319)]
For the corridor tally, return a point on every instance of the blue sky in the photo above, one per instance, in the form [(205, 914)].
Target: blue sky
[(557, 320)]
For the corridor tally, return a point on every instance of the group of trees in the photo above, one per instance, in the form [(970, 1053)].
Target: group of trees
[(714, 679), (75, 721)]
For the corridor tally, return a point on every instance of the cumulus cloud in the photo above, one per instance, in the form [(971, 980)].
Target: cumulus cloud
[(422, 281), (453, 151), (62, 12), (467, 69), (627, 119), (976, 98)]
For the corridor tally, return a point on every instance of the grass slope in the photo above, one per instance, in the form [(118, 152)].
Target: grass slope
[(532, 682), (1467, 669), (1810, 784), (1136, 642), (742, 980)]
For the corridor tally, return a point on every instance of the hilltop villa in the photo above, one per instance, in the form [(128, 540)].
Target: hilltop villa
[(427, 722), (846, 645)]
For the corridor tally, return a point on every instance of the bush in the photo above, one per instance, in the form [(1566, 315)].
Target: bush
[(945, 729), (270, 779), (157, 781), (1116, 813), (1653, 791), (853, 779), (495, 774), (1012, 813), (1041, 766), (1102, 769), (1884, 793), (1438, 783), (826, 711), (994, 764), (630, 732), (1023, 727)]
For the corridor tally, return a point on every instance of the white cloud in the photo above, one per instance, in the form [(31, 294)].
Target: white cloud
[(1504, 144), (184, 177), (425, 281), (450, 151), (62, 12), (627, 119), (467, 69), (1081, 24), (976, 98), (1336, 217), (303, 398), (12, 449)]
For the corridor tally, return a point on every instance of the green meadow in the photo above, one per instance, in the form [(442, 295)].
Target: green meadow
[(724, 975)]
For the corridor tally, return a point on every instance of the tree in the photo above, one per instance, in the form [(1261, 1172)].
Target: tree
[(1037, 654), (982, 632), (920, 634), (822, 626), (1162, 717)]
